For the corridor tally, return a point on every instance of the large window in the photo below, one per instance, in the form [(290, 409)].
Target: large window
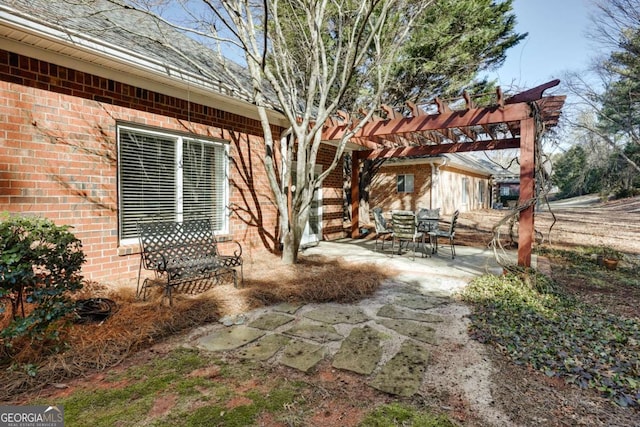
[(404, 183), (170, 176)]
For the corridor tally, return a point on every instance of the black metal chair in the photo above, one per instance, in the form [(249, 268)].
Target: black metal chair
[(405, 229), (428, 219), (383, 229), (448, 234)]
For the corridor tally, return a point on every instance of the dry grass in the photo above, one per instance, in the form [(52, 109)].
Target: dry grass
[(138, 324), (314, 279)]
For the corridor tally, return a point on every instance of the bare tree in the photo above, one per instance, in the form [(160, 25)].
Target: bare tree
[(611, 92), (300, 57), (590, 116)]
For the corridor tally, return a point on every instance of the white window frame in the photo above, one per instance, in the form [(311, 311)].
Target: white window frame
[(402, 180), (179, 139), (465, 191)]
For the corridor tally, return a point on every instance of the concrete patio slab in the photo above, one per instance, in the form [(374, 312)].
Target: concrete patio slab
[(437, 275)]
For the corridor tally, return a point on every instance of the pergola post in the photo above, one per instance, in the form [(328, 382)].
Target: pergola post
[(527, 191), (355, 194)]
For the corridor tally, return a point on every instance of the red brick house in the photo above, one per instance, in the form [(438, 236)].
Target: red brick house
[(99, 128)]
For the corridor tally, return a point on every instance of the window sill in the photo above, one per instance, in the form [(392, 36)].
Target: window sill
[(131, 249)]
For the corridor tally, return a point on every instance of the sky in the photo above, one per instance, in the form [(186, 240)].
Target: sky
[(556, 43)]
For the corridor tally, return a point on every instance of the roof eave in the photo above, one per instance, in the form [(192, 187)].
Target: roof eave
[(25, 35)]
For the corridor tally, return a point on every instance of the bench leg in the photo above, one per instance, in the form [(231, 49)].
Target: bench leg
[(234, 274), (168, 293), (139, 289)]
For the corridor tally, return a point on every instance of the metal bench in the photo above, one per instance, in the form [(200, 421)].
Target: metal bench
[(183, 256)]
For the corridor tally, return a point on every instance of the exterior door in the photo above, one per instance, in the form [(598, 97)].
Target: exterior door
[(312, 233)]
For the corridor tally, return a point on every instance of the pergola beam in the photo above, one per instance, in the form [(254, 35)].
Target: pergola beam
[(426, 150), (453, 119)]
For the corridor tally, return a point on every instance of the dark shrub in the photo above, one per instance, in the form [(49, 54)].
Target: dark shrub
[(39, 267)]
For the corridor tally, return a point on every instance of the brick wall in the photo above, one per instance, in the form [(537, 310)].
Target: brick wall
[(332, 196), (384, 193), (446, 192), (58, 152)]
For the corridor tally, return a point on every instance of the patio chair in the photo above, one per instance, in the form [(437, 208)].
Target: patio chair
[(428, 219), (405, 229), (449, 234), (383, 229)]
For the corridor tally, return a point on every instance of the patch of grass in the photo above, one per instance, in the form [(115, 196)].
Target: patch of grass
[(556, 334), (134, 391), (179, 362), (240, 416), (395, 414), (128, 398)]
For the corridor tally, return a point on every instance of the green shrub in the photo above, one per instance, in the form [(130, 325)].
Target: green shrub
[(39, 267)]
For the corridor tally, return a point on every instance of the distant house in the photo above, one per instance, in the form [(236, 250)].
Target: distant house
[(506, 189), (100, 127), (455, 181)]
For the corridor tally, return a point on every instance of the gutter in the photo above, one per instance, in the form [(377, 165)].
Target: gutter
[(435, 180)]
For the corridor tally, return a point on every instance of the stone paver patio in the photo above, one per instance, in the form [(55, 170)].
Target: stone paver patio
[(387, 337)]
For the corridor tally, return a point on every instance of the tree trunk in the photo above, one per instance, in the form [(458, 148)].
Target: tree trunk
[(369, 169), (291, 246)]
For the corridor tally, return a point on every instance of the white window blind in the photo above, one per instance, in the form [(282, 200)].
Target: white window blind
[(203, 181), (169, 176)]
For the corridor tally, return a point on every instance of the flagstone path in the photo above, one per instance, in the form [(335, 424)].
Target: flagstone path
[(388, 338)]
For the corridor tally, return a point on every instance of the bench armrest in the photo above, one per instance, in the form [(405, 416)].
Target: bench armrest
[(237, 252), (161, 265)]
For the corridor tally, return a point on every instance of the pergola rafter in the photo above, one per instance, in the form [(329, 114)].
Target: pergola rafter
[(514, 122)]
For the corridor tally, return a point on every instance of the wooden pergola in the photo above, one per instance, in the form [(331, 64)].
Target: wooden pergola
[(513, 122)]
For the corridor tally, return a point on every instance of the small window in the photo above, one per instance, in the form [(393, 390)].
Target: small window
[(405, 183)]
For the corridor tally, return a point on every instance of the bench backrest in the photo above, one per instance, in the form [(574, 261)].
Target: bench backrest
[(192, 238)]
